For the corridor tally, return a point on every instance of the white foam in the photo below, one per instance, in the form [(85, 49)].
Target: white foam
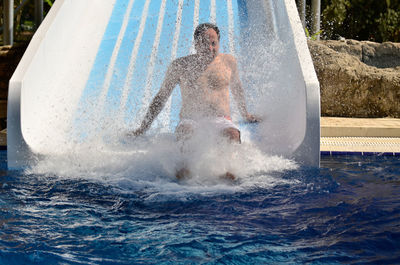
[(150, 163)]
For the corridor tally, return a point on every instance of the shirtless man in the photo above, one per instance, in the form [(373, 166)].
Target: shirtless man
[(204, 79)]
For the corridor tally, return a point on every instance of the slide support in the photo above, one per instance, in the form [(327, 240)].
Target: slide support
[(302, 11), (8, 18), (316, 17), (38, 13)]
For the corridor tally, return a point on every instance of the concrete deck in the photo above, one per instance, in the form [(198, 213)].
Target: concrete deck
[(360, 135), (354, 127)]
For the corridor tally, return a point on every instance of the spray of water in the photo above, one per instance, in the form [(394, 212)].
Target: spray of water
[(152, 161), (104, 152)]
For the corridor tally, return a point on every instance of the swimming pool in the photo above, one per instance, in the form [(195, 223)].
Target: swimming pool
[(348, 211)]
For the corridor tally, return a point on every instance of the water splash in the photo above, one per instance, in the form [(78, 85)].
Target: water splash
[(151, 163)]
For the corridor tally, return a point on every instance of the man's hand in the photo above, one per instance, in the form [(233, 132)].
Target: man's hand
[(252, 118), (136, 133)]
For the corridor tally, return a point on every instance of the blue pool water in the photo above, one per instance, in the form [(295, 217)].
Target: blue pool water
[(348, 211)]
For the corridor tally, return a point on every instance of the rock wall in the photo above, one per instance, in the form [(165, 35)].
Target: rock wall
[(358, 79)]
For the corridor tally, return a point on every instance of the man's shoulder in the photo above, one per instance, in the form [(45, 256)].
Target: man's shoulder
[(229, 59), (227, 55), (184, 64), (184, 60)]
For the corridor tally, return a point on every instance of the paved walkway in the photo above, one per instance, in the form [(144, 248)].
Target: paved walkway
[(353, 127), (360, 135)]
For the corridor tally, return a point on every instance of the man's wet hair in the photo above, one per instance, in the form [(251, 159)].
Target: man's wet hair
[(200, 29)]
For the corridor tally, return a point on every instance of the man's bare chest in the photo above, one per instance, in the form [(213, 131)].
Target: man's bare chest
[(215, 76)]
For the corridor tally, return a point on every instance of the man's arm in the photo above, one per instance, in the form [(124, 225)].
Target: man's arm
[(238, 92), (171, 79)]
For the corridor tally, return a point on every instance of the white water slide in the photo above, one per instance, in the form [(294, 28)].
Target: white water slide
[(94, 65)]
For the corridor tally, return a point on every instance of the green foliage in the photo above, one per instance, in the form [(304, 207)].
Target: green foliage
[(389, 25), (333, 17), (312, 36), (25, 18), (50, 2), (374, 20)]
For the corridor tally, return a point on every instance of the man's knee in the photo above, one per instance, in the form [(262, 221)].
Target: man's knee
[(232, 134), (184, 132)]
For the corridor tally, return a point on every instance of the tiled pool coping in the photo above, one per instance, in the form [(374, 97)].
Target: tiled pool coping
[(360, 136), (341, 153)]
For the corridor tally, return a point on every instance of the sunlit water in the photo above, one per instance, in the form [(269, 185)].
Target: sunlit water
[(83, 212)]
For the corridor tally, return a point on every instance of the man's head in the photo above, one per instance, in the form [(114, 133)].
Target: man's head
[(206, 39)]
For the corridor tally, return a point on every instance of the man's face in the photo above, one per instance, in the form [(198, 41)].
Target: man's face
[(208, 44)]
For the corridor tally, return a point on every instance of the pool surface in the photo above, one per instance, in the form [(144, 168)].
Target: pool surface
[(348, 211)]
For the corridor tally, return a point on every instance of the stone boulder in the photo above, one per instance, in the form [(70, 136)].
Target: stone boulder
[(358, 78)]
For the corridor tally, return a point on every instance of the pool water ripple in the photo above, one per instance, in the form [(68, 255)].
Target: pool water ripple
[(348, 211)]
